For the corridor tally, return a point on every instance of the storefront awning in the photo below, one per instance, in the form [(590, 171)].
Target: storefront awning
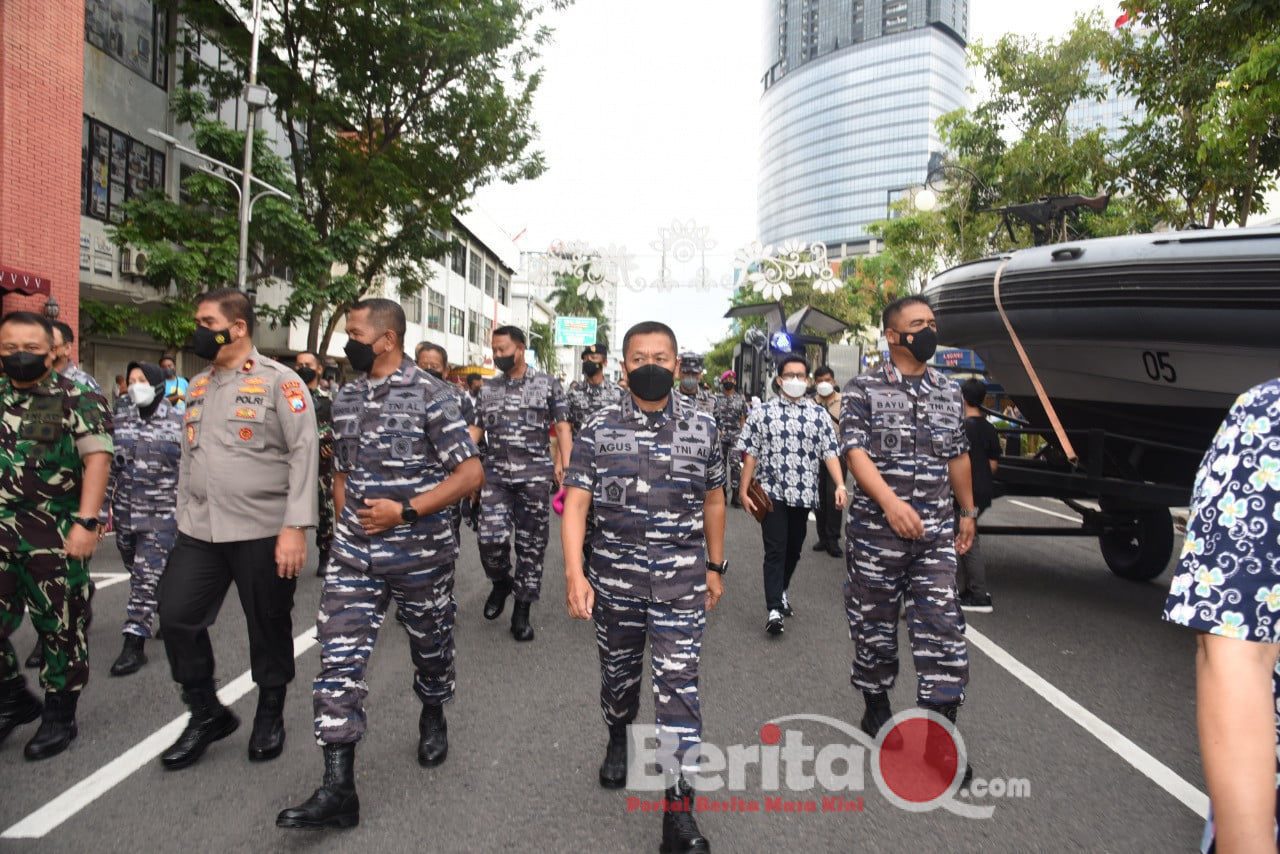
[(17, 281)]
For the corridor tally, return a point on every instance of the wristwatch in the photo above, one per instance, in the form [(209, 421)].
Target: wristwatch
[(86, 522), (970, 514), (722, 567), (408, 515)]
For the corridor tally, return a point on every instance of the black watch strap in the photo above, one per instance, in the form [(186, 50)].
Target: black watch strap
[(408, 514), (721, 567), (87, 522)]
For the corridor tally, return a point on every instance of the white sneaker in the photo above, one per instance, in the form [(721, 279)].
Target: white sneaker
[(786, 606), (774, 624)]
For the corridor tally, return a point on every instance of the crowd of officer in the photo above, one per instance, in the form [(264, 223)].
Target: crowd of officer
[(222, 479)]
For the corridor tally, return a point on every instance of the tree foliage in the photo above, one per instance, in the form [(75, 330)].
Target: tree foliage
[(570, 302), (542, 343)]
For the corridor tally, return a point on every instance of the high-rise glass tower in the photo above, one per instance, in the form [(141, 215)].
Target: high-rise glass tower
[(852, 92)]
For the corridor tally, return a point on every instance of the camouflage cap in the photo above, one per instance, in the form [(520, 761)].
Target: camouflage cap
[(596, 349), (691, 363)]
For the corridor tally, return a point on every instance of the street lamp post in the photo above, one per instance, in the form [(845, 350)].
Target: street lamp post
[(255, 97)]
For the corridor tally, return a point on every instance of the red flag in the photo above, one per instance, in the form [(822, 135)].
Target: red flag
[(1122, 20)]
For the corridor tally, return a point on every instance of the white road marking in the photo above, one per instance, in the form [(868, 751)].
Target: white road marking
[(103, 580), (1146, 764), (97, 784), (1053, 513)]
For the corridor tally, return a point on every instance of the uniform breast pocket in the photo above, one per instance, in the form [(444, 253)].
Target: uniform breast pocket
[(247, 427), (690, 452), (402, 442), (43, 421), (942, 436), (891, 441)]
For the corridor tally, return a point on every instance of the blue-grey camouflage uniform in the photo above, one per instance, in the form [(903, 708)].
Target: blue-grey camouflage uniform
[(649, 475), (731, 412), (143, 491), (395, 439), (469, 418), (911, 431), (77, 374), (517, 416), (586, 399)]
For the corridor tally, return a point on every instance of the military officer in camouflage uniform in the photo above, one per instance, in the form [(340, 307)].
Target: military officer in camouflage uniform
[(434, 359), (652, 466), (902, 433), (144, 501), (731, 414), (307, 366), (404, 457), (246, 498), (55, 457), (64, 338), (517, 412), (587, 397), (691, 370)]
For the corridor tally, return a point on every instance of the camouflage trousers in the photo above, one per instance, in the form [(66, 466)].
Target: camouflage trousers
[(324, 527), (144, 554), (527, 508), (882, 571), (352, 608), (674, 630), (56, 590), (733, 466)]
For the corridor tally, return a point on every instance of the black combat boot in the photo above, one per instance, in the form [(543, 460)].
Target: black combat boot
[(680, 834), (877, 715), (940, 749), (210, 721), (335, 803), (131, 657), (57, 726), (267, 739), (520, 628), (433, 735), (613, 770), (17, 706), (497, 601), (36, 658)]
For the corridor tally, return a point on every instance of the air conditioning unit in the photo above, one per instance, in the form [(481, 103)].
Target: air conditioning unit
[(133, 262)]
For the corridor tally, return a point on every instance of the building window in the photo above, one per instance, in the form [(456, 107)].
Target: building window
[(457, 322), (474, 271), (134, 33), (458, 257), (115, 169), (504, 287), (435, 310), (490, 277), (412, 308), (473, 327)]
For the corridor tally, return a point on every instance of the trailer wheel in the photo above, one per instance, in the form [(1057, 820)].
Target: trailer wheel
[(1143, 552)]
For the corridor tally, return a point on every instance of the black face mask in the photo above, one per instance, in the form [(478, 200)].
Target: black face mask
[(360, 355), (207, 342), (504, 363), (25, 367), (650, 383), (437, 374), (170, 373), (728, 387), (591, 369), (923, 344), (307, 375)]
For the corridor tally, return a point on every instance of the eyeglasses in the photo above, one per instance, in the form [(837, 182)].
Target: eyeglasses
[(794, 376)]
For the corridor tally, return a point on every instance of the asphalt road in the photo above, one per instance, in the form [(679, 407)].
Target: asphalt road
[(526, 736)]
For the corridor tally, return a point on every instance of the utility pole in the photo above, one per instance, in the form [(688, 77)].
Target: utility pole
[(255, 97)]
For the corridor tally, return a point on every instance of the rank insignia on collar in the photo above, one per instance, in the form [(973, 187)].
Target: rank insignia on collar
[(247, 366)]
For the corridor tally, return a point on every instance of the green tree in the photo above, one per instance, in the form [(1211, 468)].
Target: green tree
[(542, 343), (396, 112), (570, 302)]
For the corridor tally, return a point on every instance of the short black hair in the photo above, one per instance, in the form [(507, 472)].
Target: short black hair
[(472, 377), (68, 334), (435, 348), (311, 353), (29, 318), (893, 309), (790, 359), (167, 358), (824, 371), (974, 391), (649, 327), (385, 314), (515, 333), (233, 304)]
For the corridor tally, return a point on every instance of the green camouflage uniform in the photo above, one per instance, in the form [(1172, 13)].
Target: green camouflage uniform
[(45, 431)]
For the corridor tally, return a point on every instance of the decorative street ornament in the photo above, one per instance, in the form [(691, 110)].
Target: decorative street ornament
[(772, 274)]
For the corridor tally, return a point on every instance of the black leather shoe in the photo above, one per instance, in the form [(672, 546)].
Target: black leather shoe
[(57, 726), (520, 628), (834, 550), (497, 601), (680, 834), (267, 739), (36, 658), (17, 706), (876, 716), (613, 770), (210, 721), (820, 546), (335, 803), (433, 736), (131, 657)]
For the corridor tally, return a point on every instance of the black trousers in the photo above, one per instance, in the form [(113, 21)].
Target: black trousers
[(830, 517), (195, 582), (783, 530)]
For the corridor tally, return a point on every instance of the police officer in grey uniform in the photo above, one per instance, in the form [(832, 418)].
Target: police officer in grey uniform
[(144, 501), (517, 412), (246, 497), (404, 456), (902, 432), (652, 467), (691, 370)]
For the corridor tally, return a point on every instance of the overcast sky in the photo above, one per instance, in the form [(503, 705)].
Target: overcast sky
[(648, 115)]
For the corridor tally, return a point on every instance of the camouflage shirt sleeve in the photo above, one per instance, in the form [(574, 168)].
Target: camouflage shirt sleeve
[(960, 439), (448, 432), (557, 404), (469, 415), (855, 418), (715, 463), (582, 461), (91, 425)]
